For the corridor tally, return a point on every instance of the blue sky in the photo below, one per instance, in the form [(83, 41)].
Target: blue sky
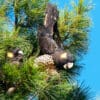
[(91, 71)]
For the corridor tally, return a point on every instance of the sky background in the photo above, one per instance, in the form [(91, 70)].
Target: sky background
[(91, 71)]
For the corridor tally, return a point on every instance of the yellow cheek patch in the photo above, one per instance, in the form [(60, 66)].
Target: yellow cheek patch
[(63, 56), (10, 55)]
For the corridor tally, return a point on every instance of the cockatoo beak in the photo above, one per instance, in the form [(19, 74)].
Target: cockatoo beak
[(11, 90), (69, 65), (20, 52)]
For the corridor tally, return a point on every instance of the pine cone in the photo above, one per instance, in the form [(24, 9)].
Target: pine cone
[(47, 61)]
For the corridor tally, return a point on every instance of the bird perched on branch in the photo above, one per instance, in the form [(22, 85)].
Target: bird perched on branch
[(49, 48), (58, 60), (62, 59), (15, 56)]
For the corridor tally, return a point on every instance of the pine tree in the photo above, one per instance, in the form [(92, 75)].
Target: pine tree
[(19, 23)]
